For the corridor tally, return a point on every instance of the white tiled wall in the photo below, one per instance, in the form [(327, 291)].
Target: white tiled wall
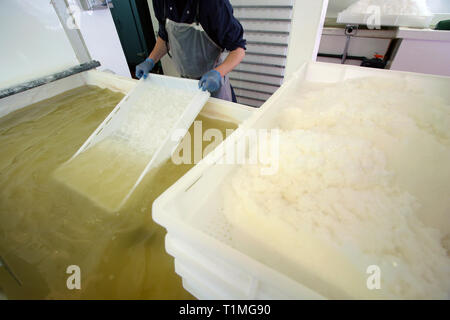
[(267, 26)]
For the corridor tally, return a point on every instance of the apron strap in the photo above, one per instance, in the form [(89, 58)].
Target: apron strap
[(197, 13), (165, 11), (165, 19)]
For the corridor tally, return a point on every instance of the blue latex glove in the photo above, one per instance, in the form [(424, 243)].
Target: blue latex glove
[(211, 81), (144, 68)]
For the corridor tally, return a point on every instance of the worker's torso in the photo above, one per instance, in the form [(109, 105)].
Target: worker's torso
[(190, 11), (193, 51)]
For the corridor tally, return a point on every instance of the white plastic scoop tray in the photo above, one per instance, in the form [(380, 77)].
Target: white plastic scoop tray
[(128, 124)]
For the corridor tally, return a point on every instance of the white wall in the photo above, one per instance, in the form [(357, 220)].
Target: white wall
[(423, 51), (439, 6), (103, 43), (336, 6), (33, 42), (359, 46), (306, 33), (167, 64)]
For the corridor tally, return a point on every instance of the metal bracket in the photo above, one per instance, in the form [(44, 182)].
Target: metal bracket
[(47, 79), (64, 13), (350, 31)]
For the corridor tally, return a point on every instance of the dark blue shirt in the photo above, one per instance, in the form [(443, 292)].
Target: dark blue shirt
[(215, 16)]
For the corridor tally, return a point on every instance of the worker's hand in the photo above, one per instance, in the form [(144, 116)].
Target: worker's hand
[(144, 68), (211, 81)]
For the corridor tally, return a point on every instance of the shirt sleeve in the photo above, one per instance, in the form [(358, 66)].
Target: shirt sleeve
[(221, 24), (158, 7)]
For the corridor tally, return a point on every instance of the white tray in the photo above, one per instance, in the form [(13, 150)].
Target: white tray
[(192, 209), (386, 20), (195, 100)]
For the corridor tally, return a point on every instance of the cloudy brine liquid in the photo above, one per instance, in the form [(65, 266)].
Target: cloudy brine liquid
[(45, 228)]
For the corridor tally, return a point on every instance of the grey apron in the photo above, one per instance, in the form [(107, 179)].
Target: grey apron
[(195, 53)]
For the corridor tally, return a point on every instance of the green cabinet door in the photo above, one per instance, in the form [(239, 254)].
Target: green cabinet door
[(134, 27)]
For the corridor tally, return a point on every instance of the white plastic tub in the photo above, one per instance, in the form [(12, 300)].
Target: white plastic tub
[(199, 235), (214, 108), (96, 78)]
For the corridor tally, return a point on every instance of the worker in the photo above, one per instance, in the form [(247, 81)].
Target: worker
[(195, 33)]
